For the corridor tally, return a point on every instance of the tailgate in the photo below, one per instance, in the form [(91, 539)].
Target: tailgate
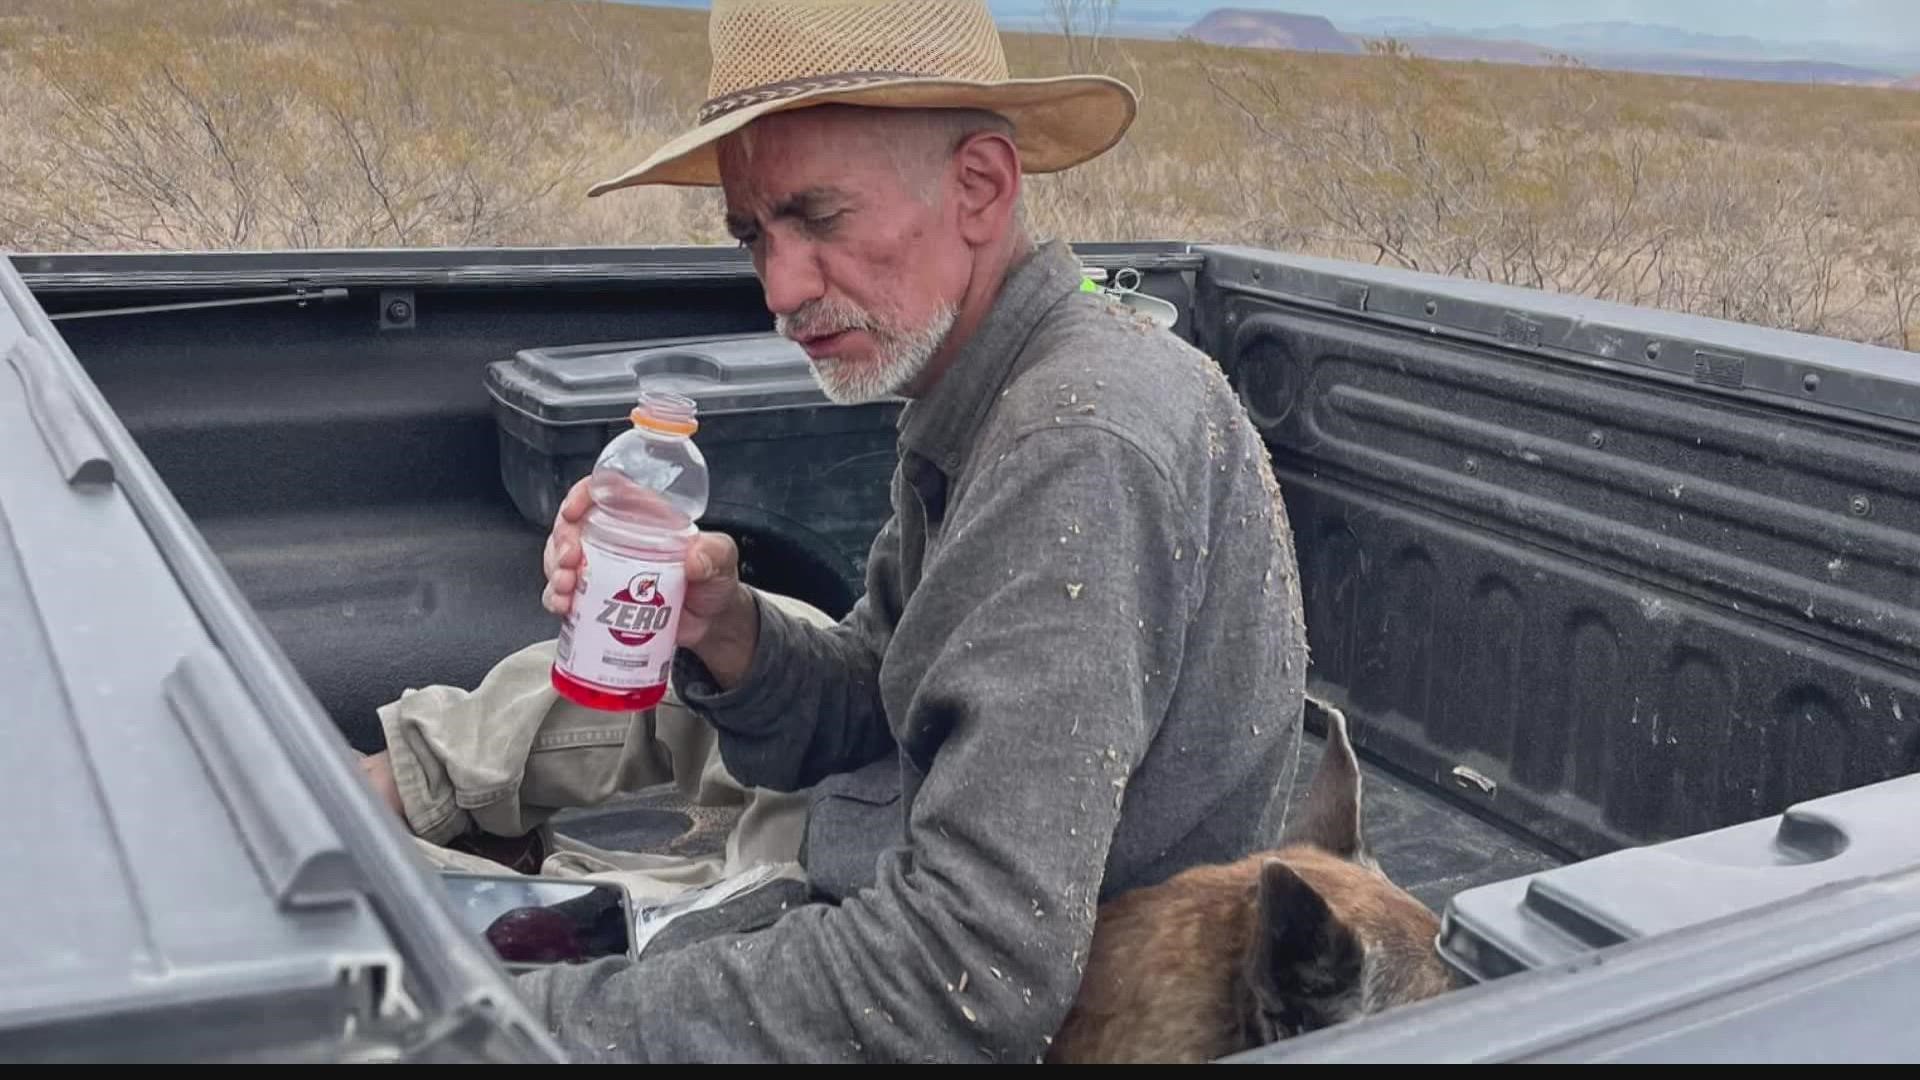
[(194, 871)]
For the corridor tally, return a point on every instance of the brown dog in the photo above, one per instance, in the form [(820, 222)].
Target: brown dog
[(1221, 959)]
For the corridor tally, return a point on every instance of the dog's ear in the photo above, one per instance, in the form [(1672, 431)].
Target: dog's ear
[(1330, 818), (1306, 964)]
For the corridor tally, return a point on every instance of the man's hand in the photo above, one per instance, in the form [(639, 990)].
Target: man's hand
[(563, 556), (378, 769), (718, 621)]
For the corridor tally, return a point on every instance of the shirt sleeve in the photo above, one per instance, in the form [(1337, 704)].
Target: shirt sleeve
[(809, 705), (1056, 585)]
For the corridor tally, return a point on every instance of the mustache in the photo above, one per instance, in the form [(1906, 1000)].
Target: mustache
[(821, 317)]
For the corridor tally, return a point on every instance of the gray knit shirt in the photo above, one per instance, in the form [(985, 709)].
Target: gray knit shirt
[(1078, 668)]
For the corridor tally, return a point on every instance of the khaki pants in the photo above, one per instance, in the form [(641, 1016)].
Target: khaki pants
[(503, 758)]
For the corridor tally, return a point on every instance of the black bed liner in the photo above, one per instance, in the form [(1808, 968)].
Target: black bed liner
[(1529, 527), (1433, 848)]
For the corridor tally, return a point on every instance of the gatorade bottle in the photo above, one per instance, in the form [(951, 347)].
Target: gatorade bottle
[(649, 487)]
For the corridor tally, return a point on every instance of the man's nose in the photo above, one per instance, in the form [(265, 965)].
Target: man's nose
[(790, 276)]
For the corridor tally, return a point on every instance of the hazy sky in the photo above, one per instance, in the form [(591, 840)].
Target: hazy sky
[(1892, 24)]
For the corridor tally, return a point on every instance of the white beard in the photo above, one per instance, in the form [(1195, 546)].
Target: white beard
[(900, 355)]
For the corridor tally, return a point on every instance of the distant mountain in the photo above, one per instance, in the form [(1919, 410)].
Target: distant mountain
[(1614, 45), (1400, 26), (1628, 46), (1630, 39), (1791, 71), (1453, 47), (1640, 38), (1705, 67), (1909, 84), (1271, 30)]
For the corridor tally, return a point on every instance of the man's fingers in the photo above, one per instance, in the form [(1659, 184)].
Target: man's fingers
[(558, 597), (578, 499), (563, 544), (711, 556), (562, 553), (563, 557)]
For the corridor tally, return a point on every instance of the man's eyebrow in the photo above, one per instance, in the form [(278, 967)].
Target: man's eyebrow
[(809, 202), (806, 203)]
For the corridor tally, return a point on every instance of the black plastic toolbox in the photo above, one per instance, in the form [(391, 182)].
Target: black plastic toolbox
[(777, 448)]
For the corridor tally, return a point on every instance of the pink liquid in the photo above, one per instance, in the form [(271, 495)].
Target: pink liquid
[(595, 697)]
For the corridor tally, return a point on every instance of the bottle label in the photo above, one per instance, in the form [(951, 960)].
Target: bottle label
[(625, 620)]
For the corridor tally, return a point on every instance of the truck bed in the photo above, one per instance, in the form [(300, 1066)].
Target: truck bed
[(1429, 846), (369, 601), (457, 586), (1583, 578), (1628, 575)]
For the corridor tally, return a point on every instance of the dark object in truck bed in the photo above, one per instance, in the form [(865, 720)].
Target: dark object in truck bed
[(789, 467)]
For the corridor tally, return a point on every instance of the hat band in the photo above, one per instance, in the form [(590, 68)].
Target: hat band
[(754, 95)]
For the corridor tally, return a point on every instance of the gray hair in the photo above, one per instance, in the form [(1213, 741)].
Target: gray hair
[(917, 140)]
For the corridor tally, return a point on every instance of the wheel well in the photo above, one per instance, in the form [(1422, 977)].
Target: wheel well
[(790, 560)]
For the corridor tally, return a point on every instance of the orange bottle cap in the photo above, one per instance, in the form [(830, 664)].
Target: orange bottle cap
[(663, 424)]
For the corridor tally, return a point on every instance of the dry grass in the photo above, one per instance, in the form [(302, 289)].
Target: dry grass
[(208, 124)]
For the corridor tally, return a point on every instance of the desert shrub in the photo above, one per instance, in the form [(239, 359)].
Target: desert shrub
[(219, 124)]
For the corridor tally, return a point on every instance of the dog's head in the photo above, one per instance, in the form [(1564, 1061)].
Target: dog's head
[(1333, 938)]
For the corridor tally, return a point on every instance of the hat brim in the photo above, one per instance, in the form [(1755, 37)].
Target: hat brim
[(1058, 122)]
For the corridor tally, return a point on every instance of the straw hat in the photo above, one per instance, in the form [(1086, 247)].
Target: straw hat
[(774, 55)]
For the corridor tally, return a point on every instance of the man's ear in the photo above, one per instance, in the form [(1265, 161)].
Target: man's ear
[(987, 186), (1301, 950), (1330, 818)]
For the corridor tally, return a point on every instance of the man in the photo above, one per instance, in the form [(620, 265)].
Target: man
[(1078, 665)]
